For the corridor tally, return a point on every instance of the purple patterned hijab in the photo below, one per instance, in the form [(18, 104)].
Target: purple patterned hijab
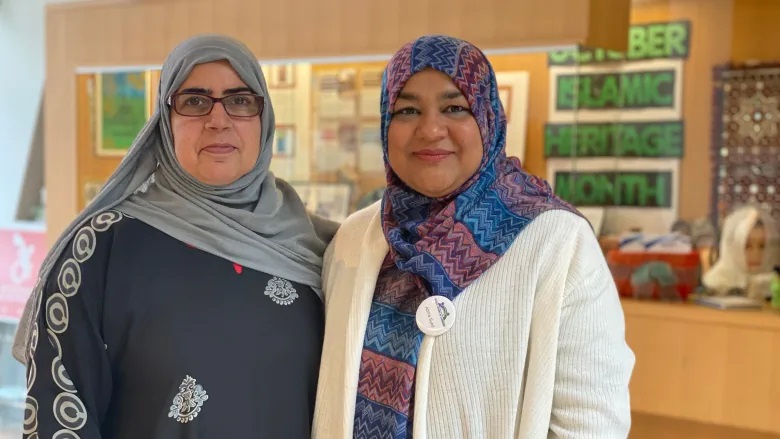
[(437, 246), (451, 241)]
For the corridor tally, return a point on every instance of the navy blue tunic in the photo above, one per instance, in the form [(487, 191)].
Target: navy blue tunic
[(140, 335)]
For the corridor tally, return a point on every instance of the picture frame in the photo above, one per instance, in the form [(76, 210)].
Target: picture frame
[(284, 141), (329, 200), (122, 108), (90, 190), (280, 75), (505, 94)]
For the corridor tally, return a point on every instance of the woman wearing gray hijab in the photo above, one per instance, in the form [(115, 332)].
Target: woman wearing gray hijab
[(184, 302)]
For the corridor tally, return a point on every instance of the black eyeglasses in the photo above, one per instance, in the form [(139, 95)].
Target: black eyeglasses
[(237, 105)]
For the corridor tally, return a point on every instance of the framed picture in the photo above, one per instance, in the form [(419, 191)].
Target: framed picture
[(122, 107), (505, 94), (154, 88), (280, 75), (284, 141), (90, 191), (329, 200)]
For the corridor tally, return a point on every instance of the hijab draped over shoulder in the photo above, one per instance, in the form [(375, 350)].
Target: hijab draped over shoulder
[(449, 242), (258, 221)]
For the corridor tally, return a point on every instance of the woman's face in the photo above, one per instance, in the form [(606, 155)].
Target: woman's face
[(755, 247), (216, 149), (434, 143)]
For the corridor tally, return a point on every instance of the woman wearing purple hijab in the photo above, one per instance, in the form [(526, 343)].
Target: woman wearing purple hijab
[(470, 302)]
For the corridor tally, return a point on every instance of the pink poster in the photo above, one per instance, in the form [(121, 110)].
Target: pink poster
[(21, 254)]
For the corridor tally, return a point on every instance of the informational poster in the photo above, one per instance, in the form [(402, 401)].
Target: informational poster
[(370, 153), (640, 91), (336, 94), (22, 250), (284, 141), (616, 188), (370, 93), (646, 41), (615, 133), (122, 109), (329, 200), (627, 139)]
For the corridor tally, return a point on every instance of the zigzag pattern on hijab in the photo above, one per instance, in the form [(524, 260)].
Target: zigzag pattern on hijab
[(450, 242), (438, 246)]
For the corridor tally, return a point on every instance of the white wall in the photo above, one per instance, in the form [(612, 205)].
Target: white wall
[(21, 77)]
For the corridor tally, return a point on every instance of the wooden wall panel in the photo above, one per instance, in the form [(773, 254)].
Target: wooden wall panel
[(131, 33), (110, 30), (711, 38), (754, 27), (705, 365)]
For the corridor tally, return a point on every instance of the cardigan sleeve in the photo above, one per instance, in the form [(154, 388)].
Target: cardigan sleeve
[(594, 364)]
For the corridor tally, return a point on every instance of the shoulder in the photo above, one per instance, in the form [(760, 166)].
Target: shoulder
[(102, 227), (554, 234), (357, 224), (555, 246), (87, 251), (94, 236), (358, 238)]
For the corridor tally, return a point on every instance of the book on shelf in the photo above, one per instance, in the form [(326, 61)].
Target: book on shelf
[(730, 302)]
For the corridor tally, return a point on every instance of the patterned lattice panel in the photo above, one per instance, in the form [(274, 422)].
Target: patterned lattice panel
[(747, 139)]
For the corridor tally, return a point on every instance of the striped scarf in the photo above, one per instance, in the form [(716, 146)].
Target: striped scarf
[(438, 246)]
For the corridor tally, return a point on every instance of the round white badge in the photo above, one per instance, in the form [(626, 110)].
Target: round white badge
[(436, 315)]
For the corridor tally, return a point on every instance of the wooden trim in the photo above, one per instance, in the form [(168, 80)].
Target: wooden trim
[(764, 319)]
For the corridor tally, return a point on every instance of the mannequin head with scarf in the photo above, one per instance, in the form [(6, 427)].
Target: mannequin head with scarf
[(748, 249)]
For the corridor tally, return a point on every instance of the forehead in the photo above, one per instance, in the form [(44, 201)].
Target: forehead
[(216, 75), (429, 81)]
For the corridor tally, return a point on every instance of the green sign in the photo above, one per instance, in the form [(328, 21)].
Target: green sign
[(623, 90), (645, 41), (621, 189), (631, 139)]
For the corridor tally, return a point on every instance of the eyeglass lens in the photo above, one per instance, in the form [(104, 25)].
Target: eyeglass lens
[(240, 105)]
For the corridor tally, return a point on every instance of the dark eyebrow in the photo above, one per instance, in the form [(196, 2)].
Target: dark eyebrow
[(451, 94), (196, 90), (446, 96), (407, 96), (234, 90), (207, 91)]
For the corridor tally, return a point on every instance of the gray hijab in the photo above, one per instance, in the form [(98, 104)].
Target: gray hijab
[(258, 221)]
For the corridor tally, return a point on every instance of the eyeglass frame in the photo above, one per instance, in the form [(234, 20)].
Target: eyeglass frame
[(214, 101)]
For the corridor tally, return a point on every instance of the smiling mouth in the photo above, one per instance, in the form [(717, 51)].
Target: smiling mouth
[(220, 149), (432, 156)]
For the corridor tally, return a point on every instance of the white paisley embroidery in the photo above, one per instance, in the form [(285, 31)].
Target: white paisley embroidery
[(54, 342), (102, 221), (145, 185), (57, 313), (69, 279), (30, 415), (61, 377), (188, 402), (69, 410), (32, 371), (65, 434), (84, 244), (281, 291)]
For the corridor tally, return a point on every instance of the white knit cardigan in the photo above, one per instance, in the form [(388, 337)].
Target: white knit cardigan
[(537, 350)]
